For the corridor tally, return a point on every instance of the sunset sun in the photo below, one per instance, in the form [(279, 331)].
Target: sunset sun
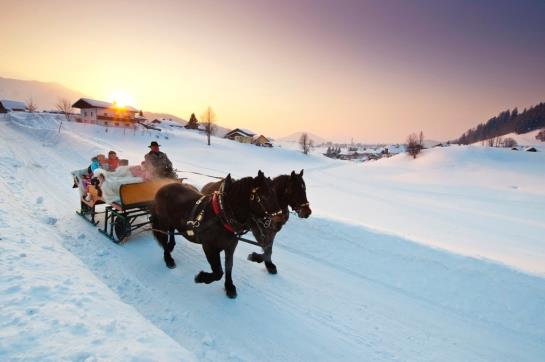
[(122, 99)]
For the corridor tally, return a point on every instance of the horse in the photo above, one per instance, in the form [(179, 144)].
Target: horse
[(215, 221), (291, 192)]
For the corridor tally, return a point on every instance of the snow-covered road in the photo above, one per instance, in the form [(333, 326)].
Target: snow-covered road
[(343, 292)]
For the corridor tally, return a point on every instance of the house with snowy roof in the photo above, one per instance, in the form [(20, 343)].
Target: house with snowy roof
[(105, 113), (260, 140), (240, 135), (7, 105)]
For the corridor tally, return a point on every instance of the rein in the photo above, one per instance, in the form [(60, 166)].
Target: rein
[(198, 173)]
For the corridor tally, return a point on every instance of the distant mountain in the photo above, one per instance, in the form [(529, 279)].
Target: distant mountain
[(506, 122), (152, 115), (294, 137), (44, 94)]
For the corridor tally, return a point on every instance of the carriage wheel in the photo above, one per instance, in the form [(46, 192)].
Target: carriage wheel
[(122, 228)]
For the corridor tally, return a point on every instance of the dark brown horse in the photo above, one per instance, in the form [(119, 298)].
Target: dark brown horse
[(215, 220), (291, 192)]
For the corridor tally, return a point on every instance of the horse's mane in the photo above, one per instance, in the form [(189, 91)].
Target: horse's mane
[(238, 197), (280, 185)]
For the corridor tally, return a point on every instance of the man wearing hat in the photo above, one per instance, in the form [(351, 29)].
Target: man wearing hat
[(158, 163)]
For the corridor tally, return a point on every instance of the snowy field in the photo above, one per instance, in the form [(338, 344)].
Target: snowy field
[(438, 258)]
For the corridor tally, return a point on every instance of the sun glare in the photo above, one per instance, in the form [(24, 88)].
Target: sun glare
[(122, 99)]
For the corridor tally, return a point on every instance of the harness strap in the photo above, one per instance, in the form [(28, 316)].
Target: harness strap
[(194, 221), (217, 208)]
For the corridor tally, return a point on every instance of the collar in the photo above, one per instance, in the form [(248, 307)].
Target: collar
[(218, 210)]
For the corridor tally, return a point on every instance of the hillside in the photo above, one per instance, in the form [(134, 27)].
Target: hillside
[(44, 94), (438, 258), (509, 121), (294, 137)]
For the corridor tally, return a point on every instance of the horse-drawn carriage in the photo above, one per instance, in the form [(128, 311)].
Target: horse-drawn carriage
[(128, 214), (215, 217)]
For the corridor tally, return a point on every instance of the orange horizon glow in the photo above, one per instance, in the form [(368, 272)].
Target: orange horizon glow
[(374, 73)]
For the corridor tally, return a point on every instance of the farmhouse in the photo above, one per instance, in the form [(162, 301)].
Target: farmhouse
[(105, 113), (240, 135), (11, 106), (260, 140)]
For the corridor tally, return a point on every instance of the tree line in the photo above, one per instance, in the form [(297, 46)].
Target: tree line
[(506, 122)]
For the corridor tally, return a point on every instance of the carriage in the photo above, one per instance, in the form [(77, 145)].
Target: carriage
[(128, 214), (205, 217)]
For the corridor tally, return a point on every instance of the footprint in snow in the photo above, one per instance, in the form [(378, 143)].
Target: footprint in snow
[(50, 220)]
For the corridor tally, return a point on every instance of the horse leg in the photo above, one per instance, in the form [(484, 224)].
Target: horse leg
[(171, 239), (213, 257), (267, 252), (230, 288), (161, 235), (259, 237), (267, 255)]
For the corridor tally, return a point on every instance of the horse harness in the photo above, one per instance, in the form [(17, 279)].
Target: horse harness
[(195, 223)]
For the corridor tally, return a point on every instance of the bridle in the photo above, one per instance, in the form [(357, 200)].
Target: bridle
[(296, 208), (255, 196)]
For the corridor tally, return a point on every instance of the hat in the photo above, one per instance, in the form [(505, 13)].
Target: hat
[(153, 143)]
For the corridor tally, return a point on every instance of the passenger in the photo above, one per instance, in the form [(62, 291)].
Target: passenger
[(103, 162), (93, 166), (158, 164), (113, 161)]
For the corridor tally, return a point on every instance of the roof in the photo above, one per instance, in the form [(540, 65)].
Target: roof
[(241, 131), (93, 103), (11, 105), (258, 136)]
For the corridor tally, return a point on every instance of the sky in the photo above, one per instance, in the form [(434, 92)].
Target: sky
[(372, 71)]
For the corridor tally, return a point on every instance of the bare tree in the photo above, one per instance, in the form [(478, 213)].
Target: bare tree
[(305, 143), (65, 107), (509, 142), (208, 119), (31, 106), (491, 142), (415, 144)]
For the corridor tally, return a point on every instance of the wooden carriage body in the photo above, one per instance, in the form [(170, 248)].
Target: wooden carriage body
[(130, 213)]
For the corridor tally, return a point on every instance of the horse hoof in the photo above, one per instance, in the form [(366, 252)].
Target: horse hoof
[(271, 268), (258, 258), (171, 264), (199, 277), (231, 292)]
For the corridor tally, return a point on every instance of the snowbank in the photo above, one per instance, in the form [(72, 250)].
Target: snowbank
[(438, 258), (52, 307)]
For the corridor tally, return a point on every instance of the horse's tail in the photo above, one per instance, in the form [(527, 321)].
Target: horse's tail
[(152, 213)]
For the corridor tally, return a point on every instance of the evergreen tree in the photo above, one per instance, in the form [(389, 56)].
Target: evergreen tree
[(193, 122)]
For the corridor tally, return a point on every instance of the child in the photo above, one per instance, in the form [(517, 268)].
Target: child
[(113, 161), (87, 180)]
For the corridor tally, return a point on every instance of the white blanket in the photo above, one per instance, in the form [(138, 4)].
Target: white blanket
[(113, 181)]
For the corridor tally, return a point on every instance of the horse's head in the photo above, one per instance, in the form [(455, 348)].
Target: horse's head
[(263, 199), (297, 195)]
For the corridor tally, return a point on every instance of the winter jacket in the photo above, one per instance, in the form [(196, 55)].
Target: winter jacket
[(94, 165), (159, 165)]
